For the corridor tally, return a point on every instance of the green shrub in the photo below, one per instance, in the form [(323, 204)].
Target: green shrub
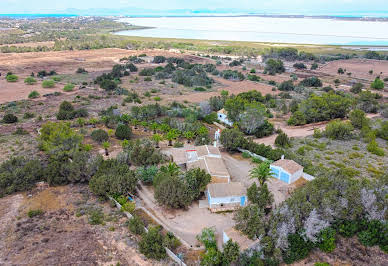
[(100, 135), (147, 174), (157, 99), (128, 207), (151, 244), (377, 84), (282, 140), (12, 78), (338, 130), (356, 88), (373, 147), (373, 233), (311, 82), (199, 89), (327, 240), (123, 131), (68, 87), (136, 225), (246, 155), (317, 133), (48, 84), (170, 241), (28, 115), (298, 249), (30, 81), (96, 217), (34, 213), (10, 119), (33, 95)]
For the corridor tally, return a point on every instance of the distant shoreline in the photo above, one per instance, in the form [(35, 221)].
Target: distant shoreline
[(336, 17)]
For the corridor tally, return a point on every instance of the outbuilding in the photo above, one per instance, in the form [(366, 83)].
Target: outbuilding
[(286, 170), (222, 116), (226, 196)]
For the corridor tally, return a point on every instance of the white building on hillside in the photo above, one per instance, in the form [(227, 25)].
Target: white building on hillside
[(286, 170), (222, 116)]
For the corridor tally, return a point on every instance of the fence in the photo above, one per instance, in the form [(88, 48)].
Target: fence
[(168, 251)]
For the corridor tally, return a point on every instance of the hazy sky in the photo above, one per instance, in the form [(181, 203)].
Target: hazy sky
[(284, 6)]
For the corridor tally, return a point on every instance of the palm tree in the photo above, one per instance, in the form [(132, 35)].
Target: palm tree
[(171, 135), (135, 122), (171, 169), (157, 138), (262, 173), (189, 135), (106, 146), (144, 124), (154, 126)]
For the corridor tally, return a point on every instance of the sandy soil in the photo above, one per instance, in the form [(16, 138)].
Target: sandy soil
[(31, 44), (358, 67), (59, 237)]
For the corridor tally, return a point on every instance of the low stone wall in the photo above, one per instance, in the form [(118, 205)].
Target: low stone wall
[(253, 154), (308, 177)]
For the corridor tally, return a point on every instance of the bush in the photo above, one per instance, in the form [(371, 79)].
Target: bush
[(338, 130), (136, 225), (170, 241), (128, 207), (147, 72), (34, 213), (10, 119), (33, 95), (356, 88), (30, 81), (123, 131), (232, 139), (311, 82), (100, 135), (48, 84), (282, 140), (12, 78), (327, 240), (199, 89), (286, 86), (81, 70), (68, 87), (159, 59), (96, 217), (377, 84), (374, 148), (358, 119), (273, 66), (373, 234), (151, 244), (299, 66), (298, 249), (147, 174), (173, 192), (19, 174)]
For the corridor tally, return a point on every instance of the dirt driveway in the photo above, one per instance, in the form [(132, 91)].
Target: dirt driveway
[(187, 224)]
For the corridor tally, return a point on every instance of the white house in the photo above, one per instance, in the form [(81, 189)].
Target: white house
[(226, 196), (222, 116), (286, 170)]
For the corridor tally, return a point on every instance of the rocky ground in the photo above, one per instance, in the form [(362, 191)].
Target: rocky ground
[(63, 235)]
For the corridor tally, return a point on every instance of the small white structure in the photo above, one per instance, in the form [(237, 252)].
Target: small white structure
[(226, 196), (286, 170), (222, 116)]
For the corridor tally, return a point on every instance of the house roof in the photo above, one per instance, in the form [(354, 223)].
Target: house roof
[(216, 167), (222, 111), (222, 190), (288, 165), (213, 165), (243, 241)]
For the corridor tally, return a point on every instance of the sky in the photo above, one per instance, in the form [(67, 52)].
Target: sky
[(140, 6)]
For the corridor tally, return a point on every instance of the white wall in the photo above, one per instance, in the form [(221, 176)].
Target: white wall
[(296, 176), (225, 200), (224, 119)]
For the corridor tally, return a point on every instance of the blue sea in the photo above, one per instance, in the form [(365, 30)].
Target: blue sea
[(36, 15)]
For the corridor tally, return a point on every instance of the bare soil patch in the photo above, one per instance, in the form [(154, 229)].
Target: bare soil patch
[(358, 67), (59, 237)]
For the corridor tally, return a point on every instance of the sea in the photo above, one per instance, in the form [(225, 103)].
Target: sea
[(322, 31)]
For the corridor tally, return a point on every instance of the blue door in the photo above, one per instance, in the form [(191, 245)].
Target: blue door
[(242, 203), (285, 177)]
